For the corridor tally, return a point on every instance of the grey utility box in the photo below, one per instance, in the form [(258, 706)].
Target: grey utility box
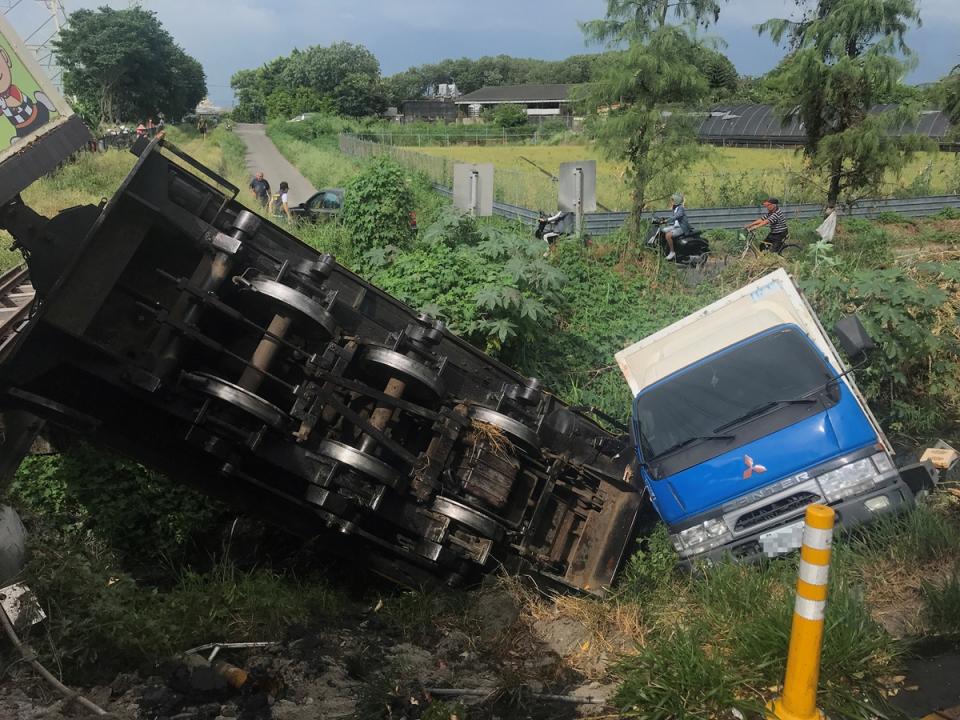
[(473, 188), (578, 187)]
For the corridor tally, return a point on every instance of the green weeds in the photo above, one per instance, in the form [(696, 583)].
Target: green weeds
[(941, 604), (149, 520), (102, 621)]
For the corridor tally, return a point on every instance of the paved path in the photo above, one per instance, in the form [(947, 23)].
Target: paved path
[(262, 155)]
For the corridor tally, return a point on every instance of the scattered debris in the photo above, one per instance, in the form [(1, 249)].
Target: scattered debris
[(941, 455), (20, 605), (29, 657)]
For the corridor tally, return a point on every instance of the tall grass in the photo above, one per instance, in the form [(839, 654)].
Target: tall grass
[(941, 599), (319, 161), (726, 176)]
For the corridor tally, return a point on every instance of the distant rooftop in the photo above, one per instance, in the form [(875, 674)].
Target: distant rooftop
[(745, 123), (556, 92)]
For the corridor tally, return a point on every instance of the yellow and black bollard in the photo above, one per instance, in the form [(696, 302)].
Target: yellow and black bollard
[(799, 699)]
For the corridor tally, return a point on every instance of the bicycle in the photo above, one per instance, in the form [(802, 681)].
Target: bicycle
[(753, 245)]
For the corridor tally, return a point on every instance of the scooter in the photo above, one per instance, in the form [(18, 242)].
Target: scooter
[(691, 250), (549, 228)]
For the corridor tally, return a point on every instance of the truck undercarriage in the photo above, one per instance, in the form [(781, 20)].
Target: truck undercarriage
[(180, 329)]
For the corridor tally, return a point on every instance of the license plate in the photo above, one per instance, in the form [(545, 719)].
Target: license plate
[(782, 540)]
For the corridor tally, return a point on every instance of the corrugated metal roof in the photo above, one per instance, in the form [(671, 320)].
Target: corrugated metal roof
[(761, 122), (517, 94)]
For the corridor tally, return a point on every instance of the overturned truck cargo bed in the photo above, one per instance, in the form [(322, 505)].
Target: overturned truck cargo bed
[(182, 330)]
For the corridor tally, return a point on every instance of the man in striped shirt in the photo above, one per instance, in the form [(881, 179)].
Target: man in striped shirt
[(775, 220)]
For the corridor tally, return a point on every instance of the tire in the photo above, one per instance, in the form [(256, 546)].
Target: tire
[(789, 251)]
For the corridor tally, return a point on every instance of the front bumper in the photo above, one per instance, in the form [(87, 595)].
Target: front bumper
[(851, 513)]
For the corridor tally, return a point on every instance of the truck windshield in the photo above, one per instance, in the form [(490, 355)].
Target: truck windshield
[(760, 375)]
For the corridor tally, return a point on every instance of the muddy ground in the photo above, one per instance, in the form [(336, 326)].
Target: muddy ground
[(370, 663)]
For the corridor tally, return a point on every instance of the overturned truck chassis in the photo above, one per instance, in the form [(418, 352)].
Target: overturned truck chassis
[(180, 329)]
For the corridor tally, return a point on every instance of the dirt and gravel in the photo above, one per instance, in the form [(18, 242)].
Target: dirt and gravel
[(367, 664), (263, 156)]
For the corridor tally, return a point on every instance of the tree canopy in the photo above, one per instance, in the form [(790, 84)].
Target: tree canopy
[(343, 78), (846, 57), (657, 69), (470, 75), (123, 65)]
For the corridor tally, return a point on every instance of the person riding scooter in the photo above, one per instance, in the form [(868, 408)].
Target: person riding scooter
[(676, 239), (549, 228), (681, 226)]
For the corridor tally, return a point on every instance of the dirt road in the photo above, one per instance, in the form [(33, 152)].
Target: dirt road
[(263, 155)]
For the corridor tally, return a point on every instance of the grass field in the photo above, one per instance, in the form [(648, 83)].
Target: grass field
[(726, 176)]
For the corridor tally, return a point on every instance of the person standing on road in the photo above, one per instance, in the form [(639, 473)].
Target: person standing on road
[(260, 189), (280, 202), (776, 221)]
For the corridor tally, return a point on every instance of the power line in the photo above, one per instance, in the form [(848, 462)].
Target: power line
[(28, 27)]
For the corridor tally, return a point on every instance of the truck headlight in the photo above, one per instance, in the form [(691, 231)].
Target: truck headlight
[(848, 480), (699, 538)]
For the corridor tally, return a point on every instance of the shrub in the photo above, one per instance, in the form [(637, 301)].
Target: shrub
[(650, 567), (508, 115), (376, 206), (490, 284), (144, 516), (891, 217), (106, 622), (948, 213), (914, 379)]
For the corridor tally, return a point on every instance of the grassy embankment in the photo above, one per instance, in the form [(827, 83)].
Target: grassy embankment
[(130, 568), (693, 646), (705, 644), (727, 176)]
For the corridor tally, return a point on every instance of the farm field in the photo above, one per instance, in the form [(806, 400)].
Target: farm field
[(727, 176)]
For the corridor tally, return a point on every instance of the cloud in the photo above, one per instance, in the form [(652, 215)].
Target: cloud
[(229, 35)]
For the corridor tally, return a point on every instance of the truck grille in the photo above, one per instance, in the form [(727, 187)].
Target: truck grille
[(779, 507)]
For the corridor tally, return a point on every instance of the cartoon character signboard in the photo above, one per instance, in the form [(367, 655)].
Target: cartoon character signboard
[(38, 130), (27, 108)]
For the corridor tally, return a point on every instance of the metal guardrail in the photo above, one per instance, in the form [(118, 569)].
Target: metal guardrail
[(731, 218)]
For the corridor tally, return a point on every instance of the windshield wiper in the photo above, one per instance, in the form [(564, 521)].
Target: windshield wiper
[(759, 410), (688, 441)]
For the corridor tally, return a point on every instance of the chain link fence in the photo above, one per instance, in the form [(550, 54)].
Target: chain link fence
[(519, 195), (515, 187)]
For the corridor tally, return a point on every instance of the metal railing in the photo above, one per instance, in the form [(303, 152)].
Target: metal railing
[(730, 218), (439, 170)]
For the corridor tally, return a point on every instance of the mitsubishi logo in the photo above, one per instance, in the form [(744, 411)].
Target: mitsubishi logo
[(752, 467)]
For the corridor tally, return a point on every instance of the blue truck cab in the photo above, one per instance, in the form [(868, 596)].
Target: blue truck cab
[(743, 415)]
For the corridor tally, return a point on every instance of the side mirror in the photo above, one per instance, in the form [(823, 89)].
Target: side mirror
[(854, 338)]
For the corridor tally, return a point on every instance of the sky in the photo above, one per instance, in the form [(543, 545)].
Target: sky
[(229, 35)]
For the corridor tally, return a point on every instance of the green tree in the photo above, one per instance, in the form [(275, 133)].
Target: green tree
[(951, 96), (716, 67), (342, 78), (847, 56), (508, 115), (470, 75), (627, 21), (376, 207), (125, 66), (655, 70), (359, 95)]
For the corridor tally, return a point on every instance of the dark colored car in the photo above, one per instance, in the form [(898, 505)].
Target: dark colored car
[(322, 205), (326, 205)]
